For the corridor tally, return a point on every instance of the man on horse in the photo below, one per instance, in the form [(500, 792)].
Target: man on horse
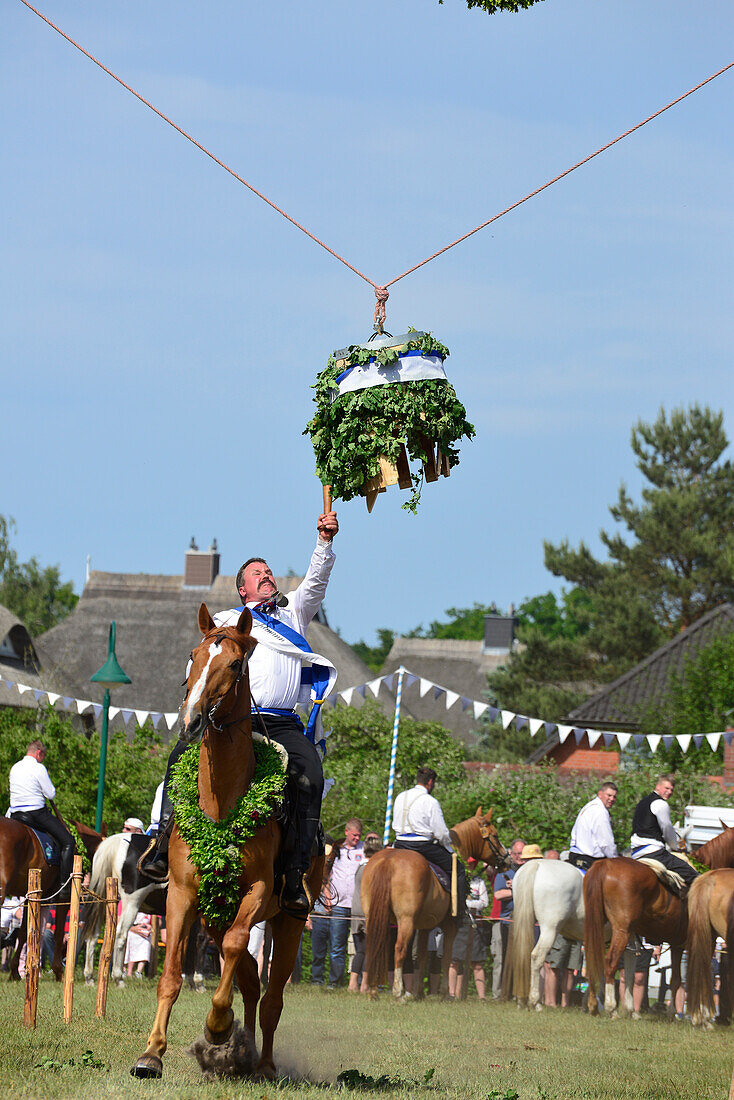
[(282, 668), (652, 829), (419, 825), (592, 837), (30, 786)]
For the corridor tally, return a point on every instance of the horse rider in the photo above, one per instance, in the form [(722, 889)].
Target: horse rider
[(282, 667), (30, 786), (155, 810), (652, 829), (592, 837), (419, 826)]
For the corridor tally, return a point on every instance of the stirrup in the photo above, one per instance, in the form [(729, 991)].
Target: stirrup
[(293, 906), (159, 876)]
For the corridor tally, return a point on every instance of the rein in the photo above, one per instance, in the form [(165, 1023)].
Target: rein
[(219, 636), (494, 846)]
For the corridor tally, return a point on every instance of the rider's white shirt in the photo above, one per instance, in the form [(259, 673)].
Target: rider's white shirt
[(592, 831), (418, 816), (30, 785), (275, 678)]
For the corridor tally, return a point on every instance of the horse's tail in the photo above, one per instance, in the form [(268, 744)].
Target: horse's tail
[(516, 977), (594, 920), (699, 990), (103, 867), (377, 940)]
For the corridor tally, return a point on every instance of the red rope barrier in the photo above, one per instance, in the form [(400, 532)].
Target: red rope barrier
[(381, 292), (196, 143)]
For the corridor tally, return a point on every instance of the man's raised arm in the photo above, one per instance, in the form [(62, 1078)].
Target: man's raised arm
[(308, 597)]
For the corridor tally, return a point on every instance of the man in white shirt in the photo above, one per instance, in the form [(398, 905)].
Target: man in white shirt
[(592, 837), (331, 928), (276, 686), (30, 786), (419, 825), (652, 829)]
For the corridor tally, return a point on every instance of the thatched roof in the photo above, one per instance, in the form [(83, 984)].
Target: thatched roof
[(157, 628), (19, 663), (620, 705), (460, 666)]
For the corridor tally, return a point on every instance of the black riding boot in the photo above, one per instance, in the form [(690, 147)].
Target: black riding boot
[(296, 897), (66, 866)]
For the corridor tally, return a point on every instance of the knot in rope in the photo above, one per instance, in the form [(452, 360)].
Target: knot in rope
[(381, 294)]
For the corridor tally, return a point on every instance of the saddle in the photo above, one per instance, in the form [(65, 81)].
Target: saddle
[(49, 846), (443, 878), (670, 879)]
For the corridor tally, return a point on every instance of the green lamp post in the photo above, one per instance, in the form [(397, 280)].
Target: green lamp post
[(110, 675)]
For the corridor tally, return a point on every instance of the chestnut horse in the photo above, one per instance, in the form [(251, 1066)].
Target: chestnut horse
[(629, 895), (717, 852), (20, 849), (218, 683), (710, 913), (398, 887)]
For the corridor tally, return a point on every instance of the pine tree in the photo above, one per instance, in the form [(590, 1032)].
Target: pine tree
[(675, 559), (672, 562)]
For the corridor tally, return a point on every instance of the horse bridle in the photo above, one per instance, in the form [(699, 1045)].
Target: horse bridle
[(234, 687), (494, 844)]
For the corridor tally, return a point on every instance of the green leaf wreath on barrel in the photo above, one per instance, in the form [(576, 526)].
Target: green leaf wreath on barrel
[(351, 431), (216, 846)]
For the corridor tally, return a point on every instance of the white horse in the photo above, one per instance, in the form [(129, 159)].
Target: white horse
[(108, 861), (549, 892)]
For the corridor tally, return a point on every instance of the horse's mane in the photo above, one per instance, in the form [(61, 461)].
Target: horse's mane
[(719, 851)]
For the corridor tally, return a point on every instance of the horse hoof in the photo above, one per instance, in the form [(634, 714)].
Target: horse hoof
[(149, 1066), (217, 1038), (234, 1058), (89, 981), (538, 1007)]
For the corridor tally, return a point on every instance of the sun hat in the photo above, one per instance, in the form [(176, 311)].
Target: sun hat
[(531, 851)]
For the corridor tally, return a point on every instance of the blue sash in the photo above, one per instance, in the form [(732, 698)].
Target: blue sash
[(314, 676)]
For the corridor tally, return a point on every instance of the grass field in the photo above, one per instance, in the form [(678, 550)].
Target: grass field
[(482, 1051)]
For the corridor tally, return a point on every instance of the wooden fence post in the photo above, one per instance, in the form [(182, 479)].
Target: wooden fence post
[(108, 943), (155, 938), (33, 946), (76, 890)]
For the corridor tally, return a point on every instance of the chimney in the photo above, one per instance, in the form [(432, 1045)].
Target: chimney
[(729, 760), (499, 634), (201, 566)]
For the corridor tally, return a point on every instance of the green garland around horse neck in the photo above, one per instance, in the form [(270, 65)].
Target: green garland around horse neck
[(216, 845)]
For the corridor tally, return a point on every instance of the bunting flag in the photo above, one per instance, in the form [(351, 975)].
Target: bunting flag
[(437, 692), (82, 706)]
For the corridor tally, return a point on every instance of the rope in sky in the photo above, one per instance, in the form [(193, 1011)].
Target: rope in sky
[(381, 291)]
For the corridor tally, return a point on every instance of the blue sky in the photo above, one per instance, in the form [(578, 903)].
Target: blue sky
[(162, 326)]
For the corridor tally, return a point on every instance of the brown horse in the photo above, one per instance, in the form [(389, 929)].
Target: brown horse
[(218, 684), (398, 887), (628, 895), (20, 849), (710, 913), (719, 851)]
